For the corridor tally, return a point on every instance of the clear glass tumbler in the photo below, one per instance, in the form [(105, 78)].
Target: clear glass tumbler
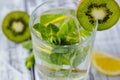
[(61, 62)]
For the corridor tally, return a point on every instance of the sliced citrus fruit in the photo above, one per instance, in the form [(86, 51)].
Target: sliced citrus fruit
[(57, 20), (106, 64)]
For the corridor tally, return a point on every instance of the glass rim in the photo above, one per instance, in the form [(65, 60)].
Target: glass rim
[(43, 4), (93, 32)]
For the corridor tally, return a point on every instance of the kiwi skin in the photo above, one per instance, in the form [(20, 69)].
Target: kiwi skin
[(9, 18), (84, 21)]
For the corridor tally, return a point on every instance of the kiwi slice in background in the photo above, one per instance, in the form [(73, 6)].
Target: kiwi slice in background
[(107, 12), (16, 26)]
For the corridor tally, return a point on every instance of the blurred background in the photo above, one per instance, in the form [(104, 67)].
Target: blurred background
[(12, 55)]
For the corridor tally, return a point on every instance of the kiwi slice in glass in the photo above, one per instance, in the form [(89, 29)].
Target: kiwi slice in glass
[(107, 12), (15, 26)]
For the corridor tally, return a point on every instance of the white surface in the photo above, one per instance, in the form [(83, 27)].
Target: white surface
[(12, 56)]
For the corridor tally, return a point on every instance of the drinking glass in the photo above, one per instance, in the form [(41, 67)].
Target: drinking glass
[(61, 62)]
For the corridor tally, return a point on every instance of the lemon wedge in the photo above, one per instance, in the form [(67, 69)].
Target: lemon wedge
[(106, 64), (57, 20)]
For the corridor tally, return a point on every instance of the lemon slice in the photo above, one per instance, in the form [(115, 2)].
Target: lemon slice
[(44, 50), (57, 20), (106, 64)]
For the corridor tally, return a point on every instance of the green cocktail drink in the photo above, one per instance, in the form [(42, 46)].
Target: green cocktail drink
[(61, 46)]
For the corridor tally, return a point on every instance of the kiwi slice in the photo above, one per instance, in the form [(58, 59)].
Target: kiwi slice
[(107, 13), (15, 26)]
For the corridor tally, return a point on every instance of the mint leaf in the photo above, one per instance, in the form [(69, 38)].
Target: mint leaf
[(48, 62), (59, 59), (79, 59), (48, 17), (62, 55), (30, 61), (68, 32), (52, 30), (80, 56), (41, 29), (60, 50), (62, 34), (84, 33), (48, 33), (73, 36), (44, 57), (27, 44), (72, 25)]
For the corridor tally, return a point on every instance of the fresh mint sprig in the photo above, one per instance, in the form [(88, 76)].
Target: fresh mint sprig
[(66, 33)]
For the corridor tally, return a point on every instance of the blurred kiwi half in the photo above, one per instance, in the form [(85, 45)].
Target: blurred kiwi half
[(16, 26)]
